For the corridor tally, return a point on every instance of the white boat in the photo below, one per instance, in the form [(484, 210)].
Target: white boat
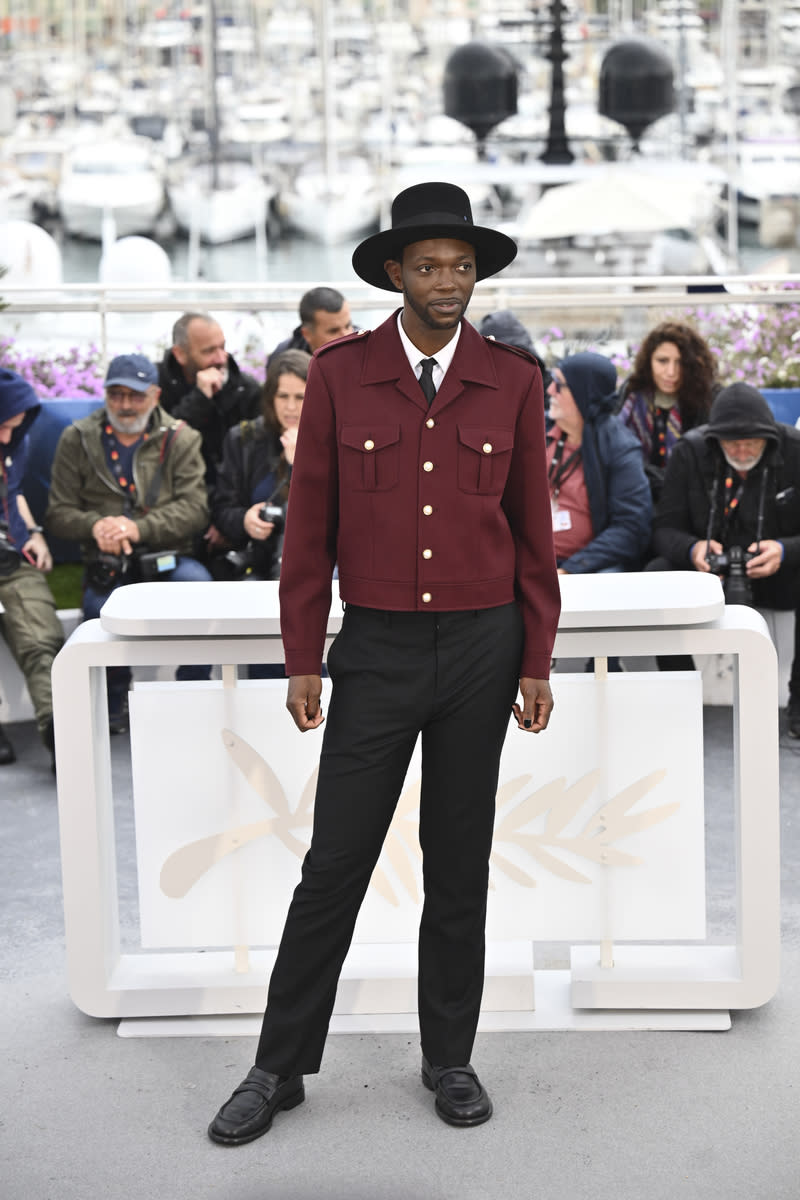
[(767, 182), (333, 205), (337, 198), (223, 205), (120, 180)]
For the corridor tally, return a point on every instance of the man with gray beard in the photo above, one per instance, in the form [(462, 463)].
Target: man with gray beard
[(730, 504), (128, 484)]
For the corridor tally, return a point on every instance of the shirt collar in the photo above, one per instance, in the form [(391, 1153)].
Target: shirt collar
[(415, 356)]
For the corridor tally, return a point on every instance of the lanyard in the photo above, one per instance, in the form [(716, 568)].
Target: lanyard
[(558, 472)]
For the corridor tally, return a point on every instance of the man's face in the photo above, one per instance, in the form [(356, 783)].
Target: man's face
[(327, 326), (129, 411), (743, 453), (7, 428), (562, 406), (437, 278), (205, 348)]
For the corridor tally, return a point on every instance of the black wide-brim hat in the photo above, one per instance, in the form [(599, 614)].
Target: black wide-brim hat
[(431, 210)]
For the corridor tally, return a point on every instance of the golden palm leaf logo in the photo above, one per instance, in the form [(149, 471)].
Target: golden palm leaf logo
[(555, 806)]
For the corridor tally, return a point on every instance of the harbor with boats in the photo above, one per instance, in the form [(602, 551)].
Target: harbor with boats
[(249, 123)]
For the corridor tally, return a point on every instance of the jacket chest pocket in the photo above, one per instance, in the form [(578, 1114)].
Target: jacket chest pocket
[(484, 456), (370, 457)]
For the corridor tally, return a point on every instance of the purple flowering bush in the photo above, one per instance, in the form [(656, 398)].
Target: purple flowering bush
[(76, 372), (754, 343)]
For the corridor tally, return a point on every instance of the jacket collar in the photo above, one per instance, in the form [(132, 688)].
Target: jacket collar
[(385, 361)]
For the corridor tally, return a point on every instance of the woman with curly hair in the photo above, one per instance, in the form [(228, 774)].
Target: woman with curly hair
[(668, 392)]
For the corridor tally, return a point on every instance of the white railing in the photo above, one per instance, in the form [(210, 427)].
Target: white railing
[(623, 304)]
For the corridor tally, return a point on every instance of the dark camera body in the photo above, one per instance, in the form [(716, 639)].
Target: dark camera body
[(9, 558), (731, 564), (107, 571), (275, 513)]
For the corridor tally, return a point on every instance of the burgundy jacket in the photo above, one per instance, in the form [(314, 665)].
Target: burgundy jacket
[(438, 509)]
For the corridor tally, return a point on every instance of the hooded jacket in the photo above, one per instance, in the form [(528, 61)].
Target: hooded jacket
[(16, 396), (238, 400), (617, 487), (82, 489), (695, 476)]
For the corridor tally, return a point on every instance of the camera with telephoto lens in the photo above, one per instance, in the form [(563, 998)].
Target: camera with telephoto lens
[(243, 561), (731, 565)]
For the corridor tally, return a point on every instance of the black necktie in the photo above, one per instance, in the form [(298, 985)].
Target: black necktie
[(426, 379)]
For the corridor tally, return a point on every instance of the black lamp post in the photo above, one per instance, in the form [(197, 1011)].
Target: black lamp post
[(557, 149)]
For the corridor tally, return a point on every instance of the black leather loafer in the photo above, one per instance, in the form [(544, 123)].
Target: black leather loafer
[(461, 1098), (252, 1106)]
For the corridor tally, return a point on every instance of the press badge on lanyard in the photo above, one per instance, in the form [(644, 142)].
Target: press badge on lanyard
[(558, 472)]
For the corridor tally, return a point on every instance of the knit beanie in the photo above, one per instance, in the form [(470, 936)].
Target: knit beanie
[(740, 411)]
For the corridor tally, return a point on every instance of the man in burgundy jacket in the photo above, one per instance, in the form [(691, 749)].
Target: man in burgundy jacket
[(420, 471)]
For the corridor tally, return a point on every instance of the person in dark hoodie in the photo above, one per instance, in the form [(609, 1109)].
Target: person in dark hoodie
[(599, 493), (731, 504), (29, 621), (505, 326)]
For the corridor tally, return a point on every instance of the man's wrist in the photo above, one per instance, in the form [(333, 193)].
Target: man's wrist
[(35, 529)]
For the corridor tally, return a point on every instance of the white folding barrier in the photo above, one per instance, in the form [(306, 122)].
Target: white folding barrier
[(599, 838)]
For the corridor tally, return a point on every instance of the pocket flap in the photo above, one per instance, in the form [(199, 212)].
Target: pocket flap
[(369, 438), (486, 441)]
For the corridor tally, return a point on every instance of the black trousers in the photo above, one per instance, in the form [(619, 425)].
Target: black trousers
[(453, 677)]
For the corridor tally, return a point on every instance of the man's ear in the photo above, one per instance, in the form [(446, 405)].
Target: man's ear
[(394, 270), (180, 354), (307, 332), (154, 392)]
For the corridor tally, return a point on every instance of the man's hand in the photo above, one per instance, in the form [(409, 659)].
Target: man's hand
[(210, 380), (115, 535), (699, 552), (537, 704), (39, 551), (767, 561), (303, 701), (216, 541)]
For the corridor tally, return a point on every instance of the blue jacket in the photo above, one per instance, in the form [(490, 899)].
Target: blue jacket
[(617, 487), (16, 396)]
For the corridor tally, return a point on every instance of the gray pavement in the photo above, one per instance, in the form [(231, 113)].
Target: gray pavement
[(633, 1116)]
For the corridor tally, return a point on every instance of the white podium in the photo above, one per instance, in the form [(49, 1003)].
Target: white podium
[(648, 984)]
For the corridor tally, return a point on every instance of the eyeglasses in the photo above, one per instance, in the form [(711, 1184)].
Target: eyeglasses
[(560, 384)]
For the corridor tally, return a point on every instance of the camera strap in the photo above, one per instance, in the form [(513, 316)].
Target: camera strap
[(154, 486)]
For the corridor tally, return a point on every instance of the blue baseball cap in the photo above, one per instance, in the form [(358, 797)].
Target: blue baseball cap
[(132, 371)]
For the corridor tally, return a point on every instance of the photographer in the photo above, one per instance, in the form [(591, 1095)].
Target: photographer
[(731, 504), (249, 501), (128, 484)]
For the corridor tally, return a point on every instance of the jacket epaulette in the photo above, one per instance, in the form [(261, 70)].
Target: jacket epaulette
[(342, 341), (514, 349)]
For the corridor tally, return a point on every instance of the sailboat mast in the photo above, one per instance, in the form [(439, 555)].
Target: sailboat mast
[(210, 63), (326, 49)]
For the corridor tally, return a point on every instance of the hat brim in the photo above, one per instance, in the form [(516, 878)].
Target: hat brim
[(135, 385), (493, 250)]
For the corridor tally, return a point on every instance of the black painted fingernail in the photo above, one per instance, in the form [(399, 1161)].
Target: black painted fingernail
[(527, 722)]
